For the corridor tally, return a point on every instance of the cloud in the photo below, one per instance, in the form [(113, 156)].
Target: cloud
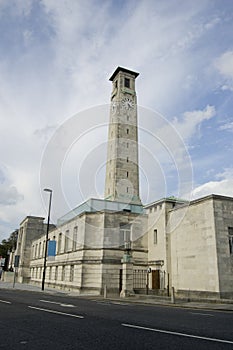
[(9, 194), (192, 120), (227, 126), (224, 186), (224, 65)]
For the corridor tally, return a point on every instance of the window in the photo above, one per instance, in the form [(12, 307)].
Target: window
[(127, 174), (43, 248), (125, 235), (155, 236), (127, 130), (59, 243), (67, 241), (40, 251), (50, 273), (127, 159), (75, 237), (116, 84), (71, 273), (63, 273), (230, 236), (127, 83), (56, 273)]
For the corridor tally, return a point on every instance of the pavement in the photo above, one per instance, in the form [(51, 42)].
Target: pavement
[(223, 305)]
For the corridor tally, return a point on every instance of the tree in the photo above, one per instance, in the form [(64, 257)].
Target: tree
[(8, 245)]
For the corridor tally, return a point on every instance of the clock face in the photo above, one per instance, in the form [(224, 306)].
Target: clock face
[(127, 103)]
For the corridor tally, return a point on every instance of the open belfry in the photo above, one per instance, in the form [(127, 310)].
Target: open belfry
[(116, 244), (122, 174)]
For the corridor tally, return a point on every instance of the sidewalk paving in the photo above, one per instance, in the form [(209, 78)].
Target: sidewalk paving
[(223, 305)]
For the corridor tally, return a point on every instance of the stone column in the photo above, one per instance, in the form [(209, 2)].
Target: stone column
[(127, 276)]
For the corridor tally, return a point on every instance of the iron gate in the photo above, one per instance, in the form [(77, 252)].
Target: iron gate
[(139, 279)]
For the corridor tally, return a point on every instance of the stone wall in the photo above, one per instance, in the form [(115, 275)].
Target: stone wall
[(193, 248)]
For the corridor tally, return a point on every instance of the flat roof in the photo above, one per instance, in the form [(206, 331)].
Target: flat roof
[(167, 199), (125, 70), (93, 205)]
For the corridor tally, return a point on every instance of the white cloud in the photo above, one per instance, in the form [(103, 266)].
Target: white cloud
[(191, 121), (227, 126), (224, 65), (224, 186)]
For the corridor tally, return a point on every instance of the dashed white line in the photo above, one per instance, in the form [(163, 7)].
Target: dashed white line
[(55, 312), (199, 313), (177, 333), (57, 303), (5, 302)]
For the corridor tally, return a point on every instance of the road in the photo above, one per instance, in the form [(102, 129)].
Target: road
[(35, 320)]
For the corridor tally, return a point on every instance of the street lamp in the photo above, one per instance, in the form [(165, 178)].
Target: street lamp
[(47, 236)]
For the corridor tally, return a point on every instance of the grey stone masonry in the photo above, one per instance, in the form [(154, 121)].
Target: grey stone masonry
[(122, 175)]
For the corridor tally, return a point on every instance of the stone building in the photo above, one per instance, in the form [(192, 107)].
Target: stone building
[(122, 246)]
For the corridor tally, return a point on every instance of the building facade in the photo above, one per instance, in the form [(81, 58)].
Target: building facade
[(119, 245)]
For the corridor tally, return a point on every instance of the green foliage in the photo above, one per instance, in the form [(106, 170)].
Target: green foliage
[(8, 244)]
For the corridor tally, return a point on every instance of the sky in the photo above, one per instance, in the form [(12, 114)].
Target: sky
[(56, 58)]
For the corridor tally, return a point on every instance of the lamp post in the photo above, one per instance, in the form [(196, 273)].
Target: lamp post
[(47, 236)]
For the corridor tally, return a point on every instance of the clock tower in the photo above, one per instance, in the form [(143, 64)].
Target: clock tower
[(122, 174)]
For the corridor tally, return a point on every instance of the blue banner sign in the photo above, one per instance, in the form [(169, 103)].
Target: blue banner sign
[(51, 248)]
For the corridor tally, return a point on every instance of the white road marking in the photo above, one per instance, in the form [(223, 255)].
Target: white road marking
[(177, 333), (199, 313), (5, 302), (55, 312), (54, 302)]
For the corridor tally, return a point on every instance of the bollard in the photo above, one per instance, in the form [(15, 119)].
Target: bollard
[(173, 295), (105, 291)]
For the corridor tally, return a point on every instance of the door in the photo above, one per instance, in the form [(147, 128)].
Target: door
[(155, 279)]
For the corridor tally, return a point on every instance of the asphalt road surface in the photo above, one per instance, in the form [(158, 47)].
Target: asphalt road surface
[(31, 320)]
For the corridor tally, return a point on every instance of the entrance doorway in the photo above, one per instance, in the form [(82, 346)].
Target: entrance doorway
[(155, 279)]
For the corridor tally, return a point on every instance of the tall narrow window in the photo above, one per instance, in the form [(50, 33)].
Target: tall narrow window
[(155, 236), (50, 272), (71, 273), (59, 243), (230, 236), (75, 238), (127, 159), (40, 250), (127, 130), (36, 250), (127, 174), (63, 273), (56, 273), (67, 241), (127, 83)]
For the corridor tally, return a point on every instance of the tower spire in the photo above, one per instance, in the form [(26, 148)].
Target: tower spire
[(122, 174)]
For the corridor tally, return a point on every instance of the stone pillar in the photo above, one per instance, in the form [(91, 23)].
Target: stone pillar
[(127, 276)]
